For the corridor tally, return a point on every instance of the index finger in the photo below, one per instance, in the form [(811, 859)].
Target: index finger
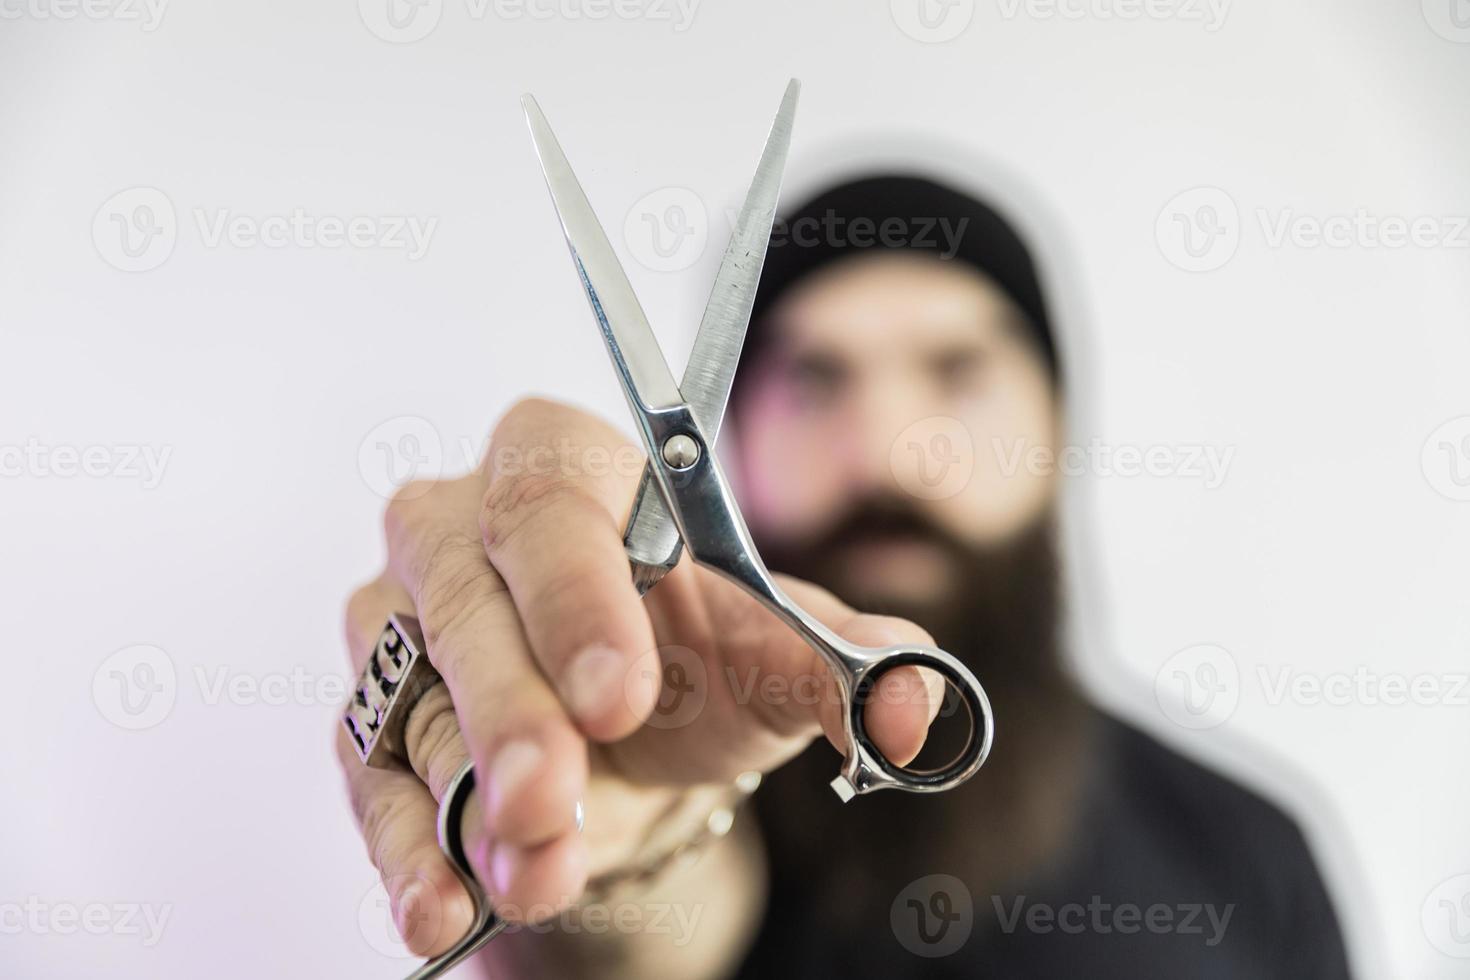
[(552, 526)]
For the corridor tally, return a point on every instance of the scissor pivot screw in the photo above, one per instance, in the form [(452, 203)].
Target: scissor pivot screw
[(681, 452)]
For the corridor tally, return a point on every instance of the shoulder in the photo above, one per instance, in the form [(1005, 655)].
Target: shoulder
[(1211, 827), (1187, 794)]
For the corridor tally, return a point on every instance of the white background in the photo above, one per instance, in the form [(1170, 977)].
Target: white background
[(263, 370)]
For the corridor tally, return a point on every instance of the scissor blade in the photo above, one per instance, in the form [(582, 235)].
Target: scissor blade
[(716, 350), (630, 341), (652, 540)]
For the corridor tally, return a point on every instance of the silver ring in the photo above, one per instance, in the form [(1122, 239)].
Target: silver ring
[(392, 681)]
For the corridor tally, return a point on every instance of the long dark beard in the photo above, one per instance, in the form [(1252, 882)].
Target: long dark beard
[(1000, 614), (1003, 621)]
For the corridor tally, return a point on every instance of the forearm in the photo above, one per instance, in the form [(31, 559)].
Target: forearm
[(693, 922)]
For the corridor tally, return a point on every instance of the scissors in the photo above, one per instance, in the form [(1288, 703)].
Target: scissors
[(685, 501)]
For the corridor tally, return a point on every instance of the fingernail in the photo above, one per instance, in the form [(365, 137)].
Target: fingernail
[(935, 688), (405, 914), (502, 867), (594, 681), (481, 856), (512, 766)]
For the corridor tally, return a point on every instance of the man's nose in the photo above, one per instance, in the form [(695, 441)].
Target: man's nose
[(884, 416)]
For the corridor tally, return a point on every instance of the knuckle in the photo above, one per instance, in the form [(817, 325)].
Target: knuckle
[(440, 738), (455, 581), (895, 629), (358, 604), (419, 507), (406, 517), (527, 420), (366, 606), (381, 817), (407, 501), (512, 501), (435, 745), (532, 405), (456, 645), (531, 410)]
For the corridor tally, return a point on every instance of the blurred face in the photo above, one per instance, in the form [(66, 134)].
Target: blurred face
[(882, 436)]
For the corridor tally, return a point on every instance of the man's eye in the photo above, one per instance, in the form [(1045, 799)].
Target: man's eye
[(958, 371), (815, 382)]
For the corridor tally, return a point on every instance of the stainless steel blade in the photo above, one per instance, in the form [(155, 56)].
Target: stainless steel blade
[(635, 353), (652, 540), (716, 350)]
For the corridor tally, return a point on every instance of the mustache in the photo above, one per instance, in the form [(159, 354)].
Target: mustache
[(877, 519)]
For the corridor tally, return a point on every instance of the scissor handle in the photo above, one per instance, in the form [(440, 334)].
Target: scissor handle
[(486, 925), (858, 774)]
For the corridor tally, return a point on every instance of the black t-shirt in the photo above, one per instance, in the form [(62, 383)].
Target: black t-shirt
[(1172, 871)]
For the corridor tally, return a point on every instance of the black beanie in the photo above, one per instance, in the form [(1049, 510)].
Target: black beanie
[(888, 213)]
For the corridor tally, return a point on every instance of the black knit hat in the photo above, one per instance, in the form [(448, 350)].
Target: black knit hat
[(898, 213)]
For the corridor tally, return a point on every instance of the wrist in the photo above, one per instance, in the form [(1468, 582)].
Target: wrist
[(686, 823)]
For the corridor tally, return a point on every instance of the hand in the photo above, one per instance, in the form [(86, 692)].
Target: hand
[(552, 673)]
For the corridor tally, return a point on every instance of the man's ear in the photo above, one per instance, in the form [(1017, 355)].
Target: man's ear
[(1059, 427)]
